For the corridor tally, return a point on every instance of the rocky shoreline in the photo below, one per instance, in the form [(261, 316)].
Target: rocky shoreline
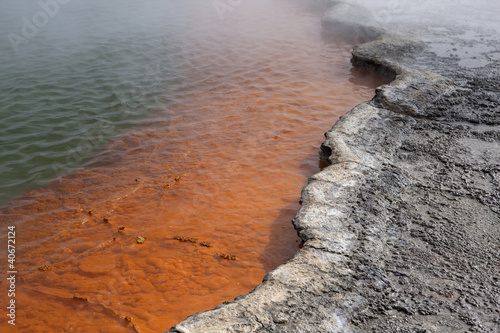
[(401, 230)]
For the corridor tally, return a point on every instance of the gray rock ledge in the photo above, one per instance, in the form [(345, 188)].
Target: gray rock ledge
[(401, 230)]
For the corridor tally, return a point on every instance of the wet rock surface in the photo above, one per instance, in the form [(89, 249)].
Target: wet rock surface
[(401, 232)]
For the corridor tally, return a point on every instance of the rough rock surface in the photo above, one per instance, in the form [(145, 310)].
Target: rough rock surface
[(401, 232)]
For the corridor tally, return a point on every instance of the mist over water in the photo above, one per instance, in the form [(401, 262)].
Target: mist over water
[(421, 14), (74, 75)]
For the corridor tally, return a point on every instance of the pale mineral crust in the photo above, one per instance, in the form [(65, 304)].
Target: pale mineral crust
[(401, 232)]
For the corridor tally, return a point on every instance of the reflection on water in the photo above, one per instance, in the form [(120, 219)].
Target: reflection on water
[(223, 163)]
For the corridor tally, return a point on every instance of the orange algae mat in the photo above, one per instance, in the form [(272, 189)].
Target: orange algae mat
[(192, 210)]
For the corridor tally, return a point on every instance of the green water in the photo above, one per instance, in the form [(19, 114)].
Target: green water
[(89, 71)]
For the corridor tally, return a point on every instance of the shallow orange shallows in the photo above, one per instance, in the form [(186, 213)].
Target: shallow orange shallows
[(195, 208)]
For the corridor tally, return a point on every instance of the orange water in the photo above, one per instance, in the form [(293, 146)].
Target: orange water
[(223, 163)]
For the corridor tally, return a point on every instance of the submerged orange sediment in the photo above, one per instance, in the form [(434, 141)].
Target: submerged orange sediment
[(216, 176), (239, 197)]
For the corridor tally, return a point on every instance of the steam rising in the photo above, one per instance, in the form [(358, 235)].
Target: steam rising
[(463, 30), (451, 13)]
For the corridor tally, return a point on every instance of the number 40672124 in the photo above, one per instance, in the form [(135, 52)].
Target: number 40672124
[(11, 246)]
